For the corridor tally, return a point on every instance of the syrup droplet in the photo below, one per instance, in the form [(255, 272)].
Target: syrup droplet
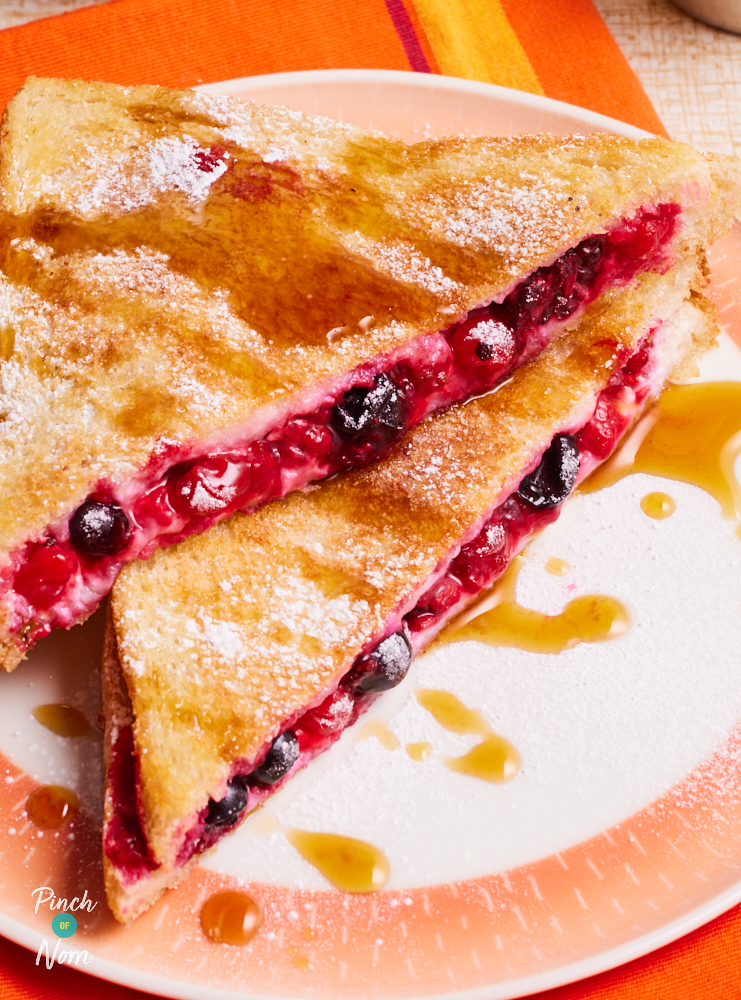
[(591, 618), (693, 435), (262, 823), (381, 731), (419, 751), (451, 713), (557, 567), (231, 917), (51, 806), (494, 759), (350, 865), (302, 962), (658, 505), (64, 720)]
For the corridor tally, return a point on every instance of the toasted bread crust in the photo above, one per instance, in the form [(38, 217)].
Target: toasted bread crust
[(118, 713), (227, 637), (154, 294), (126, 902)]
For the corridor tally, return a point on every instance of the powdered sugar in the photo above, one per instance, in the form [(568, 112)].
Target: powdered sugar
[(128, 182), (225, 638), (484, 215), (496, 336), (404, 263)]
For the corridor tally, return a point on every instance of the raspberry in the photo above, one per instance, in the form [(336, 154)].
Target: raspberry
[(46, 573)]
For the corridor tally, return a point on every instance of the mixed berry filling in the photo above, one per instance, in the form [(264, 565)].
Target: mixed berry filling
[(125, 843), (61, 578), (475, 567)]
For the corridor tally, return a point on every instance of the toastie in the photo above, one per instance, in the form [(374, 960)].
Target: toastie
[(207, 304), (247, 650)]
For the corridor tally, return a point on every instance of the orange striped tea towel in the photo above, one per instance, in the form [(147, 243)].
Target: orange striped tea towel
[(560, 48)]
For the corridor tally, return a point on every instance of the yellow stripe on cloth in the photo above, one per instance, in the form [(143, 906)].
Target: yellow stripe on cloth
[(473, 39)]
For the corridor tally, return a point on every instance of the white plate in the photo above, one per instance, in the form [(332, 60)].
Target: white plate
[(598, 852)]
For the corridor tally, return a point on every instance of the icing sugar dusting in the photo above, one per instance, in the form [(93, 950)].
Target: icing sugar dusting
[(404, 262), (224, 637), (131, 181), (495, 214), (495, 335)]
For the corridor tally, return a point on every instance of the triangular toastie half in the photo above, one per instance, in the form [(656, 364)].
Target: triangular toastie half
[(206, 304), (246, 651)]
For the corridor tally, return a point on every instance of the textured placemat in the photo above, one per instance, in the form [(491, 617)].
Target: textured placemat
[(691, 72)]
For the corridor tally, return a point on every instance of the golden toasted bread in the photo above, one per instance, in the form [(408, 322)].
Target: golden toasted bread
[(245, 651), (205, 304)]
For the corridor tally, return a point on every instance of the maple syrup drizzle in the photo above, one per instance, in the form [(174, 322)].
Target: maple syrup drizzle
[(64, 720), (52, 806), (557, 567), (693, 435), (451, 713), (419, 751), (231, 917), (494, 759), (590, 618), (381, 731), (350, 865), (658, 505)]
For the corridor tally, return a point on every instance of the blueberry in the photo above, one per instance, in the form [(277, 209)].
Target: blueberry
[(384, 668), (484, 351), (554, 478), (363, 408), (281, 757), (590, 252), (99, 529), (565, 305), (227, 811)]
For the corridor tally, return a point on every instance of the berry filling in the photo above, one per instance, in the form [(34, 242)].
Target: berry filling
[(473, 568), (125, 843), (62, 578)]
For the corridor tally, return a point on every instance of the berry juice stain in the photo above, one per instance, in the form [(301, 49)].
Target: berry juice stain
[(590, 618), (658, 506), (52, 806), (350, 865), (694, 436), (63, 720), (494, 759), (231, 917)]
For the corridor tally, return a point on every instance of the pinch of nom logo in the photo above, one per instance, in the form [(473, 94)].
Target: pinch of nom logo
[(64, 926)]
